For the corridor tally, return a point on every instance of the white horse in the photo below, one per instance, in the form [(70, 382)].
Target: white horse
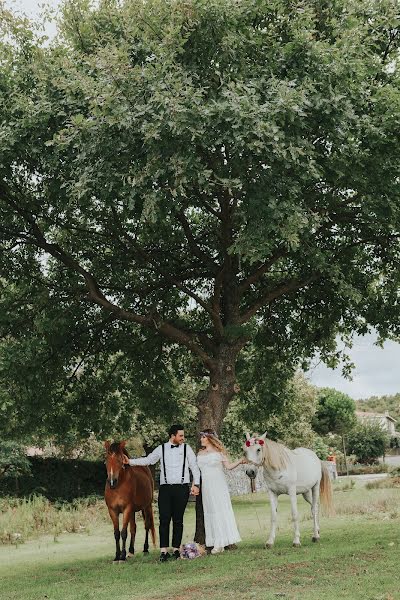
[(291, 472)]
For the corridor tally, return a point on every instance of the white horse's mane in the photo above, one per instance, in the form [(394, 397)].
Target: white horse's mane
[(275, 455)]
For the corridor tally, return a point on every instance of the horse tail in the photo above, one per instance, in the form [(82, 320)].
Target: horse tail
[(326, 492), (148, 516)]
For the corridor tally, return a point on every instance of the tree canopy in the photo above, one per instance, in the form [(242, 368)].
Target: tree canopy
[(335, 412), (180, 181)]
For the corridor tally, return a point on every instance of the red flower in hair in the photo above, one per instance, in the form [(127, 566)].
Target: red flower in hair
[(248, 443), (261, 442)]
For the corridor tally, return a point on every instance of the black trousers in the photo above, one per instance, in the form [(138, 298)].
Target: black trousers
[(172, 501)]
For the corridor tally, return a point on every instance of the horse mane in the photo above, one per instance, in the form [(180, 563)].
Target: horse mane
[(275, 455), (116, 449)]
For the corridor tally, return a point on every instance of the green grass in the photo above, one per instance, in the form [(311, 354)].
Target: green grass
[(358, 558)]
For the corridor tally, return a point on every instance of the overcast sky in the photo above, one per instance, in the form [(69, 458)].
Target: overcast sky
[(377, 370), (376, 373)]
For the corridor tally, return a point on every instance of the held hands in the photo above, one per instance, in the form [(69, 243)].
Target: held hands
[(194, 490)]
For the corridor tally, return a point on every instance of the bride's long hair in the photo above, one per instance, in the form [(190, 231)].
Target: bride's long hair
[(214, 440)]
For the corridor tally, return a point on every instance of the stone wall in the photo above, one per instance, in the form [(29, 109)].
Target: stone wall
[(239, 482)]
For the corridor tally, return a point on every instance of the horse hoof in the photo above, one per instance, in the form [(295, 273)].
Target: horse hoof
[(296, 545), (315, 540), (268, 546), (130, 554), (146, 552)]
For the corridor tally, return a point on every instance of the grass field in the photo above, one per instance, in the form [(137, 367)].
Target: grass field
[(358, 558)]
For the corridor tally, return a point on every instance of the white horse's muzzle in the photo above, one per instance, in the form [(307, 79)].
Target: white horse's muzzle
[(251, 471)]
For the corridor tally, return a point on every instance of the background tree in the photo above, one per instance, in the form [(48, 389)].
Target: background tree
[(335, 412), (368, 441)]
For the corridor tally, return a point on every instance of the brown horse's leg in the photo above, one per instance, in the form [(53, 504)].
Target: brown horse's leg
[(133, 534), (115, 520), (124, 531), (147, 527)]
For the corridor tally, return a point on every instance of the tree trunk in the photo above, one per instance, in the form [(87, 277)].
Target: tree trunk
[(212, 405)]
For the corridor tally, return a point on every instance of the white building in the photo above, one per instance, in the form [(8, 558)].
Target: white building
[(387, 422)]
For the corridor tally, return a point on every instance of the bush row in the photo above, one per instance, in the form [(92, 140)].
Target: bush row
[(57, 479)]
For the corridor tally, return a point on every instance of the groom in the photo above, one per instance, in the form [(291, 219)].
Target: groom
[(176, 459)]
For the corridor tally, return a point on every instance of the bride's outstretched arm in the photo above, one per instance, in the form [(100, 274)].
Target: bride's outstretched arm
[(230, 466)]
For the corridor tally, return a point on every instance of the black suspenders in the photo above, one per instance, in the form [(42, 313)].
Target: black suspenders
[(184, 463), (163, 460), (183, 467)]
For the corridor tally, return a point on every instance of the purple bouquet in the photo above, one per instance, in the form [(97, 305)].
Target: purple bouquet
[(191, 550)]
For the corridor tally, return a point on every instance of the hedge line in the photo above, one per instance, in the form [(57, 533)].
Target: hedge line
[(58, 479)]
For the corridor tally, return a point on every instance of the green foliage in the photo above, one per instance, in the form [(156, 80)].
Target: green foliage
[(13, 460), (190, 176), (368, 442), (320, 448), (286, 417), (335, 412), (58, 479)]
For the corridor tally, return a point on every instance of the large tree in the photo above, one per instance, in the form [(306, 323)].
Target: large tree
[(194, 178)]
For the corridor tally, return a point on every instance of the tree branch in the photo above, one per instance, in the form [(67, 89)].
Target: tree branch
[(258, 273), (193, 244), (285, 288), (95, 294)]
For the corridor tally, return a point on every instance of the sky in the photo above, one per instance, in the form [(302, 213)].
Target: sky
[(377, 370), (32, 7)]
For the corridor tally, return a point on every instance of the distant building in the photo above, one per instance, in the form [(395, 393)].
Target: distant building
[(387, 422)]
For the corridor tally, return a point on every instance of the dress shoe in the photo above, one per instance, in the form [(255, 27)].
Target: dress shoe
[(176, 554), (164, 556), (217, 550)]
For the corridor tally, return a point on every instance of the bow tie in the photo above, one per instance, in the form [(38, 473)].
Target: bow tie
[(175, 446)]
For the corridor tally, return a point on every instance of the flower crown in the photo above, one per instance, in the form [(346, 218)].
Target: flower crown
[(252, 441)]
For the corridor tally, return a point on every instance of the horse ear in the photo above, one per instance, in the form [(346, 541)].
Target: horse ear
[(263, 436), (122, 444), (247, 435), (107, 445)]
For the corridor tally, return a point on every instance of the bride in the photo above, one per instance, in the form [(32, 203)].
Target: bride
[(219, 520)]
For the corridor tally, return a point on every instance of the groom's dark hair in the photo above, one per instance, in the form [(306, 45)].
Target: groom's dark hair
[(173, 430)]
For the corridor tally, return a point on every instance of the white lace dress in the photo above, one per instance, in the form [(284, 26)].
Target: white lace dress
[(219, 520)]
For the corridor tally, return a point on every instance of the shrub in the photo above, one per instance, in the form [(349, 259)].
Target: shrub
[(359, 469), (368, 441), (57, 479)]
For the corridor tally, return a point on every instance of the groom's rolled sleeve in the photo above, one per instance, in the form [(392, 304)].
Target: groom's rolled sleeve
[(192, 460), (150, 459)]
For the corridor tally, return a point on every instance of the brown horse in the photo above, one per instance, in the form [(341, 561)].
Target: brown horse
[(128, 490)]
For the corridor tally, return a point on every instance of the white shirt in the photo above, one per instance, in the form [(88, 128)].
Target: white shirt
[(173, 463)]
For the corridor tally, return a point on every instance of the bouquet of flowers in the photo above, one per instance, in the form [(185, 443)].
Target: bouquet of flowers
[(191, 550)]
